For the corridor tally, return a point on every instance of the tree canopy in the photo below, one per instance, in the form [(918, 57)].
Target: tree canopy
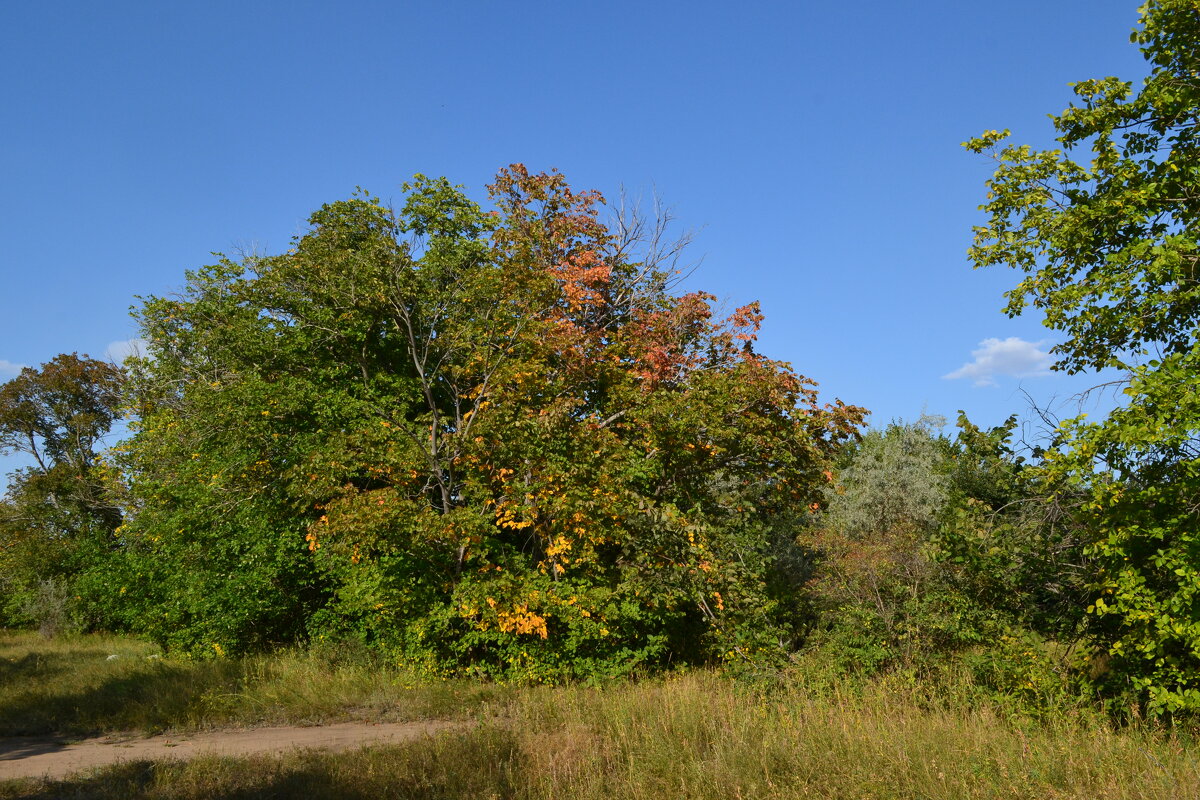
[(488, 440)]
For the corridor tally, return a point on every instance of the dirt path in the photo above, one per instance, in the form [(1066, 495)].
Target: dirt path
[(55, 758)]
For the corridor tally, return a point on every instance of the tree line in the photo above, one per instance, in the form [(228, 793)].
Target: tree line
[(499, 441)]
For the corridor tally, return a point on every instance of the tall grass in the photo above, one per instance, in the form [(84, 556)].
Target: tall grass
[(698, 735)]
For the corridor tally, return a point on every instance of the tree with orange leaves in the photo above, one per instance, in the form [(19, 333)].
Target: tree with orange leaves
[(486, 440)]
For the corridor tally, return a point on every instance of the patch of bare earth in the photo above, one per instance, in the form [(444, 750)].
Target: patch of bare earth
[(45, 757)]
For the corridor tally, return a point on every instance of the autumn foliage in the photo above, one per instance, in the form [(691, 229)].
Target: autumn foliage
[(483, 440)]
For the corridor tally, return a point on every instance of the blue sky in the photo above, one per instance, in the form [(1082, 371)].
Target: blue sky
[(814, 148)]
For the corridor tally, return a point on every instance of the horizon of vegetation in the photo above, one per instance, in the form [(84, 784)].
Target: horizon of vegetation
[(498, 443)]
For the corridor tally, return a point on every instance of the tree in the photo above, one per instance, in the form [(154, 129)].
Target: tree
[(1109, 248), (56, 517), (59, 413), (484, 440)]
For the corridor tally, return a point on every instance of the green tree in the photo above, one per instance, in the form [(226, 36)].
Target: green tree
[(1109, 248), (57, 519), (485, 440)]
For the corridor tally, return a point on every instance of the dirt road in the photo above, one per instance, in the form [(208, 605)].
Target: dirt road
[(56, 758)]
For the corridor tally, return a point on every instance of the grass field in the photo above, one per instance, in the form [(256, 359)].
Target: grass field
[(697, 735), (98, 684)]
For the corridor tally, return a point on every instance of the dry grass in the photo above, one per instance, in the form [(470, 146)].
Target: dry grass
[(700, 736)]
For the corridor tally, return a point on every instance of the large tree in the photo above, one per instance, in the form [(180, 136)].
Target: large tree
[(484, 439), (1110, 248)]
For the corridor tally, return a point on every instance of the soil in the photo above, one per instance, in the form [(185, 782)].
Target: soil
[(43, 757)]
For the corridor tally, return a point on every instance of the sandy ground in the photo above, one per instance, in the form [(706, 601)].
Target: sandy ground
[(57, 758)]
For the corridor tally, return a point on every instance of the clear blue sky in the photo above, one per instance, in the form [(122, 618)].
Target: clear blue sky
[(814, 146)]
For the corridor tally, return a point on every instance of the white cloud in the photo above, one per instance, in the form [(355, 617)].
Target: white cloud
[(117, 352), (1013, 357), (10, 370)]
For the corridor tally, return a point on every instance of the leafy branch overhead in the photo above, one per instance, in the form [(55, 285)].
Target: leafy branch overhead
[(1109, 244), (1110, 251)]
